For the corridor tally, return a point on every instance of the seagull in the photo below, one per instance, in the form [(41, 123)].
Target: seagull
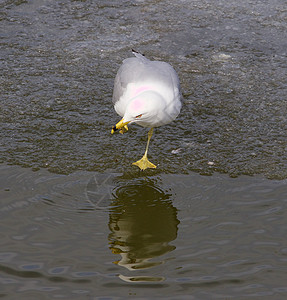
[(147, 93)]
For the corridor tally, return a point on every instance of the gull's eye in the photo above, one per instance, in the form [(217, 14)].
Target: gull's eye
[(137, 117)]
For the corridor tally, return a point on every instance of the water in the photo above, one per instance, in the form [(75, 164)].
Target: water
[(77, 219), (89, 235)]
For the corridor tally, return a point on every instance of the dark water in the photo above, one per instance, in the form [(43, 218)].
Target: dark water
[(59, 59), (79, 222), (112, 236)]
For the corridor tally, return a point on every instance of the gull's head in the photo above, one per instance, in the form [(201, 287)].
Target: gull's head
[(145, 109)]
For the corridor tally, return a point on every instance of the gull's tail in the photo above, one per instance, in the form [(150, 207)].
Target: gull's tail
[(139, 55)]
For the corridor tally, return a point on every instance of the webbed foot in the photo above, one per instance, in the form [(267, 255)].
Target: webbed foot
[(144, 163)]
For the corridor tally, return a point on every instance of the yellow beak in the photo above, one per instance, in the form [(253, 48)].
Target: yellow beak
[(120, 125)]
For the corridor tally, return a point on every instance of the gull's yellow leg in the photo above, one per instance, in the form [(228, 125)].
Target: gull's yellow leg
[(144, 163)]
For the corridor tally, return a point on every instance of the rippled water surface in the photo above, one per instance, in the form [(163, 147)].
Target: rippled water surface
[(92, 235), (78, 221)]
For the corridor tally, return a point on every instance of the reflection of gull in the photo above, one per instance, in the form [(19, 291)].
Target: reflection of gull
[(147, 93), (140, 278), (143, 222), (133, 258)]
